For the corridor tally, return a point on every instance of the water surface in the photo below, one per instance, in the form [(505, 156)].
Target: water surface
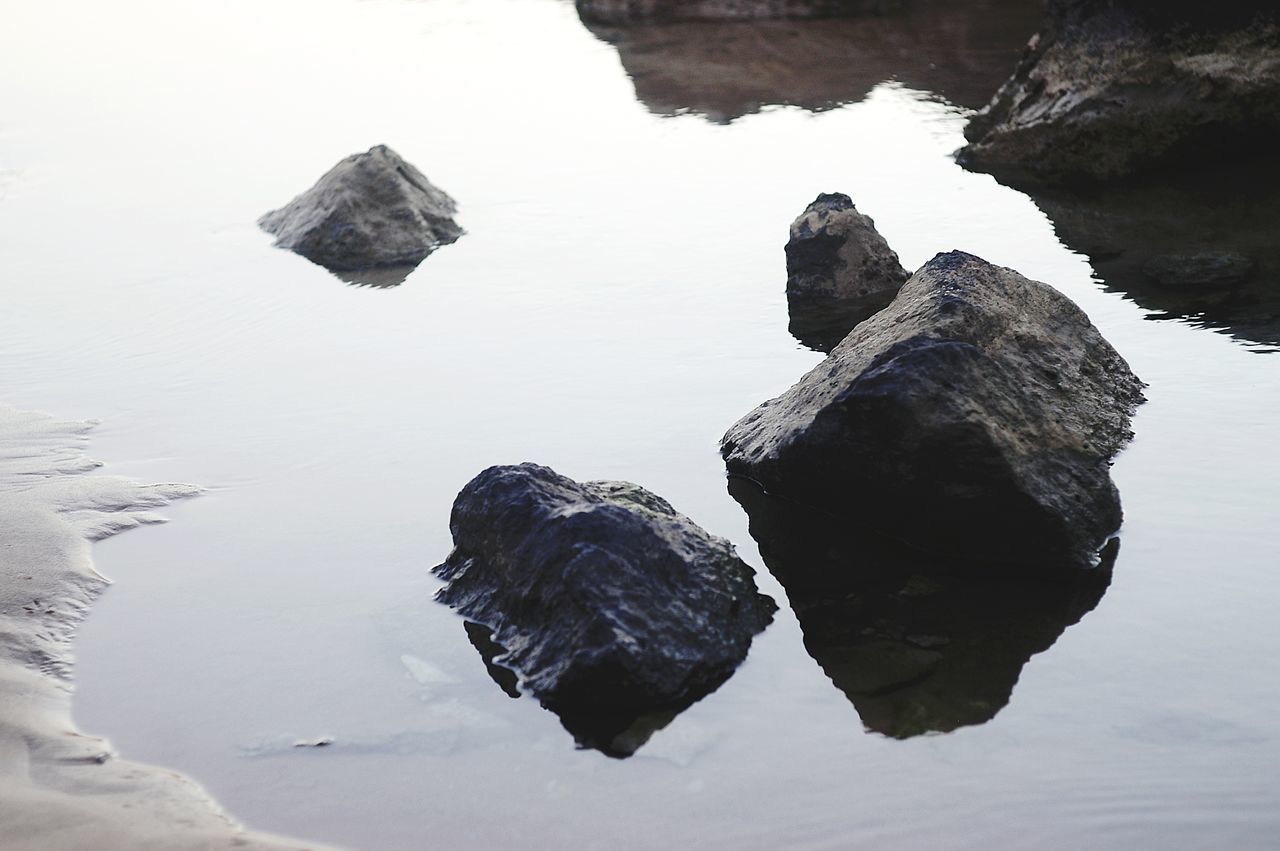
[(616, 304)]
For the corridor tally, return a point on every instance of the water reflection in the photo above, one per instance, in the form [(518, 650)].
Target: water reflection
[(1198, 246), (916, 644), (962, 52), (615, 734), (822, 325), (381, 278)]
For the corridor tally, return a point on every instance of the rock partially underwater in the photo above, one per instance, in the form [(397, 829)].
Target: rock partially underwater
[(726, 69), (616, 611), (840, 270), (974, 417), (918, 644), (372, 212), (1120, 88)]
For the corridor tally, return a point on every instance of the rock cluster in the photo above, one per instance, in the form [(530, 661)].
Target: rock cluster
[(975, 417)]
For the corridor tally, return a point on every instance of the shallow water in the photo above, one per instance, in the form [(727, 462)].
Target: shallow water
[(616, 304)]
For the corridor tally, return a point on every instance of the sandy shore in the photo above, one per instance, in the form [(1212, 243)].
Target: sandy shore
[(60, 788)]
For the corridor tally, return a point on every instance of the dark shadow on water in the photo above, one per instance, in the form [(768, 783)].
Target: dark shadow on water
[(382, 277), (1201, 247), (821, 325), (961, 51), (614, 734), (917, 644)]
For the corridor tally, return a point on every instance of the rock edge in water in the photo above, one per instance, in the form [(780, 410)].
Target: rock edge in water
[(1113, 90), (605, 599), (975, 417), (635, 11), (370, 211), (840, 270)]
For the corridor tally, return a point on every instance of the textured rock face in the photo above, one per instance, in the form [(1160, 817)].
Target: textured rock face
[(840, 270), (1115, 89), (624, 11), (974, 417), (371, 210), (918, 645), (607, 601)]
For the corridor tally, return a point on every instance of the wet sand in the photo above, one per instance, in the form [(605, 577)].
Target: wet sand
[(60, 788)]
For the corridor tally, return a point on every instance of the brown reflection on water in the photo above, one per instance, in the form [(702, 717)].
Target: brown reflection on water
[(1147, 240), (961, 51), (916, 644)]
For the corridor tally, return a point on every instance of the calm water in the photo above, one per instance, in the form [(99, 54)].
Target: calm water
[(616, 304)]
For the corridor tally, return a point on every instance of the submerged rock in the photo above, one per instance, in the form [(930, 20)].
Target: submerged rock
[(1110, 90), (370, 211), (840, 270), (918, 644), (976, 417), (723, 70), (609, 604)]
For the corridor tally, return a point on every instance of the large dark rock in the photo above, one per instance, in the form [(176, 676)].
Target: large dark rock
[(1117, 88), (976, 416), (918, 644), (370, 211), (723, 70), (610, 605), (840, 270)]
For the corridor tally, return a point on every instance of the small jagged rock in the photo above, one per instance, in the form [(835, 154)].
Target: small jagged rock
[(370, 211), (840, 270), (975, 417), (606, 600)]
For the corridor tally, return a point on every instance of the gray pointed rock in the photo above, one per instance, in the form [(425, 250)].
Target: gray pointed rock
[(371, 210)]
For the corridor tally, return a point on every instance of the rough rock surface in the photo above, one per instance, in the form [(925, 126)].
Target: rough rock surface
[(917, 644), (369, 211), (606, 599), (975, 417), (624, 11), (1113, 89), (840, 270)]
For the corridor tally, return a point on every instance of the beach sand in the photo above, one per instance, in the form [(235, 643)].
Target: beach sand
[(60, 788)]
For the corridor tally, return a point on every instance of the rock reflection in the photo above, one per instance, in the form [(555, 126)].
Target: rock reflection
[(1199, 247), (960, 51), (917, 644), (614, 734), (380, 278)]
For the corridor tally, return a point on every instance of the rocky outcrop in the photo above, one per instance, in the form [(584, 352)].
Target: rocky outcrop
[(976, 416), (370, 211), (840, 270), (1116, 89), (723, 70), (917, 644), (609, 604), (626, 11)]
